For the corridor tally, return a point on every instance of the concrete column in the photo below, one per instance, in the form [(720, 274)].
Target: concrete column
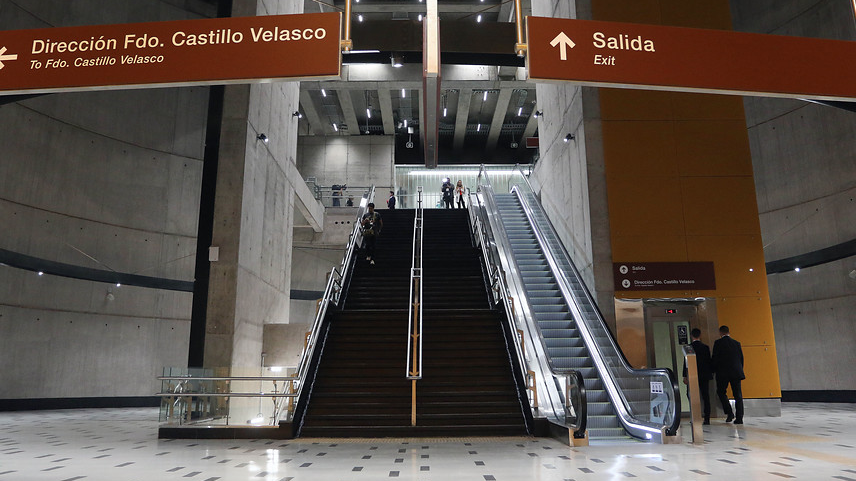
[(253, 214)]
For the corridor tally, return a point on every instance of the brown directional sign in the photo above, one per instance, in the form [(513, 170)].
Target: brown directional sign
[(663, 276), (209, 51), (687, 59)]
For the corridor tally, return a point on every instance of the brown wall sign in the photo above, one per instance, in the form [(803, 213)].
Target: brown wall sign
[(663, 276), (208, 51), (688, 59)]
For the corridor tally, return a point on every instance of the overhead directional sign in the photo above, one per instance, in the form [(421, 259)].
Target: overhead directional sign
[(687, 59), (208, 51)]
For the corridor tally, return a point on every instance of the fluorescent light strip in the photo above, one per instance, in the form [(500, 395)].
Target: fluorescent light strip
[(461, 173)]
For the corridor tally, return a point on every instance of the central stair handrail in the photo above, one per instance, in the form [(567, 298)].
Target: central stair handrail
[(414, 312), (562, 402)]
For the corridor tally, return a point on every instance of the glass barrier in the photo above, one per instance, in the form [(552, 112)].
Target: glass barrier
[(227, 396)]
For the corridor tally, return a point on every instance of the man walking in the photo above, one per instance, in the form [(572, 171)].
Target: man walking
[(727, 363), (371, 223), (702, 354)]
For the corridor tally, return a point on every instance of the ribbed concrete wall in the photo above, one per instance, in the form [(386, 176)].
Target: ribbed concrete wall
[(804, 157), (105, 180)]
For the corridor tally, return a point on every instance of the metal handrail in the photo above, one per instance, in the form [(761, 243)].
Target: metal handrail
[(332, 293), (227, 378), (414, 312), (333, 288), (497, 279), (492, 250), (632, 424), (574, 380)]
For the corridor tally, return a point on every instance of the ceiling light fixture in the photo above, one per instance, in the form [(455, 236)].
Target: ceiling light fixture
[(403, 94), (420, 17), (360, 17), (335, 127), (396, 60), (478, 19), (520, 111), (484, 98), (369, 112), (323, 92)]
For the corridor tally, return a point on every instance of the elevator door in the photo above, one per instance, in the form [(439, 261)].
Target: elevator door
[(668, 336)]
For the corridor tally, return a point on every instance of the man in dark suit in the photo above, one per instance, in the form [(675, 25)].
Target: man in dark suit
[(702, 353), (727, 363)]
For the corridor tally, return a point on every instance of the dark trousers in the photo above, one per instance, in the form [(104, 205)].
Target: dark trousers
[(704, 390), (449, 203), (721, 385), (461, 203), (370, 245)]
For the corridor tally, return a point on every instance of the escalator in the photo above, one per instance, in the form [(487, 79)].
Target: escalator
[(564, 330), (562, 339)]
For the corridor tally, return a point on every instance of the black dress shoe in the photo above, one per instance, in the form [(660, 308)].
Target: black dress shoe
[(706, 422), (729, 418), (738, 421)]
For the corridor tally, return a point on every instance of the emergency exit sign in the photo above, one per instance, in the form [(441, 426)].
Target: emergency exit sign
[(185, 52)]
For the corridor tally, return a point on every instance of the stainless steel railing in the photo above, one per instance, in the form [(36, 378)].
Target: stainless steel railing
[(564, 408), (414, 312), (189, 388)]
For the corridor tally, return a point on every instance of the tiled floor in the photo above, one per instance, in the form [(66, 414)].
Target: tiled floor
[(809, 441)]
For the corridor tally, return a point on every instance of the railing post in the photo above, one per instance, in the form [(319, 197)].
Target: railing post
[(695, 399)]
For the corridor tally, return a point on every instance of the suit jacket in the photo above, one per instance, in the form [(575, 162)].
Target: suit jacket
[(727, 359), (702, 353)]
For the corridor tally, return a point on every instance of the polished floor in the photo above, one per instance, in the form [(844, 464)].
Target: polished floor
[(809, 441)]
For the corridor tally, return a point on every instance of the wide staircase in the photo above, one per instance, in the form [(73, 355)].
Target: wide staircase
[(361, 389), (468, 385), (562, 338)]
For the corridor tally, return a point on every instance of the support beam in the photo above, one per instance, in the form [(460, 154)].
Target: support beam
[(315, 125), (465, 96), (386, 111), (498, 118), (531, 128), (429, 126), (304, 199), (347, 105)]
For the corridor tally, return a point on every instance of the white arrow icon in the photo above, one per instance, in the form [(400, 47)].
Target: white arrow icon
[(563, 42), (6, 57)]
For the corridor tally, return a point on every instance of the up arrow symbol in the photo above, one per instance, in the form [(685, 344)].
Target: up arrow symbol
[(6, 57), (563, 42)]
